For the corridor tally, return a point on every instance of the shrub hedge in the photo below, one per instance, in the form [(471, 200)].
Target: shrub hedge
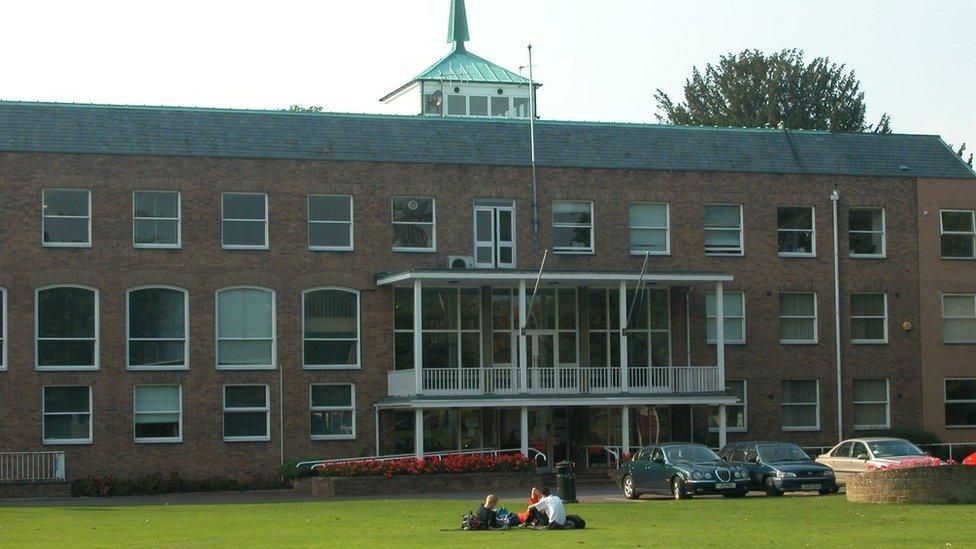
[(158, 484)]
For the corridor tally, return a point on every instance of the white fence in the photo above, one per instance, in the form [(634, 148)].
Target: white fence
[(507, 380), (31, 466)]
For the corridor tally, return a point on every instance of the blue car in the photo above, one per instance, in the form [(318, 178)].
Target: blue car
[(779, 467)]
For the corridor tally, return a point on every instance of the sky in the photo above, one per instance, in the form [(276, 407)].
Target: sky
[(597, 59)]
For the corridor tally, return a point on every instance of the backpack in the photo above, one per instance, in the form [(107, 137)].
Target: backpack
[(576, 521), (470, 522)]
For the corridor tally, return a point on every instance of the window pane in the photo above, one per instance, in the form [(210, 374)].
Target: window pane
[(332, 423), (660, 349), (958, 305), (723, 217), (66, 399), (157, 426), (796, 305), (649, 240), (868, 305), (866, 243), (457, 105), (567, 348), (470, 349), (796, 242), (571, 237), (800, 391), (331, 395), (567, 309), (502, 348), (245, 396), (597, 309), (799, 416), (470, 308), (723, 239), (958, 330), (244, 353), (413, 210), (499, 106), (66, 427), (439, 309), (638, 349), (957, 221), (66, 312), (956, 245), (156, 231), (244, 233), (157, 399), (157, 313), (245, 424), (65, 230), (65, 353), (334, 235), (501, 309), (865, 220), (403, 308), (478, 106), (648, 215), (157, 353), (960, 389), (244, 206), (403, 351), (572, 212), (413, 236), (245, 313), (868, 329), (330, 353), (870, 390), (65, 202), (441, 350), (794, 218), (156, 204), (329, 208), (870, 414), (331, 314), (960, 414)]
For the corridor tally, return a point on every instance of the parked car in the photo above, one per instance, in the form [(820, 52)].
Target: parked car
[(970, 459), (779, 467), (857, 455), (681, 471)]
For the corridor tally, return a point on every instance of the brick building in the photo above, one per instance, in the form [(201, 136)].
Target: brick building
[(214, 291)]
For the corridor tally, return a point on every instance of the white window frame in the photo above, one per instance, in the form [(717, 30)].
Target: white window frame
[(725, 309), (886, 402), (432, 223), (944, 318), (274, 330), (883, 232), (883, 341), (817, 403), (351, 223), (266, 409), (741, 230), (45, 413), (971, 234), (3, 329), (359, 332), (352, 408), (37, 326), (226, 246), (592, 226), (945, 400), (666, 228), (179, 222), (745, 410), (816, 321), (179, 412), (812, 231), (88, 217), (186, 328)]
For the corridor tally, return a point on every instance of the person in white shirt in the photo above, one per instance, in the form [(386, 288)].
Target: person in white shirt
[(548, 511)]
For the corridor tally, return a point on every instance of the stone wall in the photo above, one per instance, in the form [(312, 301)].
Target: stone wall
[(34, 490), (416, 484), (944, 484)]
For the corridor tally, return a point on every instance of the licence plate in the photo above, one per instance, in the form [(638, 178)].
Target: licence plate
[(809, 487), (724, 485)]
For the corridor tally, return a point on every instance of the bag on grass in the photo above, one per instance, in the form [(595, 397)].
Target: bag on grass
[(576, 521), (470, 522)]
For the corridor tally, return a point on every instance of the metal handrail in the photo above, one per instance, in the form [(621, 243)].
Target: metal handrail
[(32, 466), (534, 453)]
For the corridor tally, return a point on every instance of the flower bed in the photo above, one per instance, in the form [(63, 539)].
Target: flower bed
[(938, 485), (451, 464), (925, 461)]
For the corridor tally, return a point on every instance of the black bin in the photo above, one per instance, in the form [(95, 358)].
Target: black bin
[(566, 481)]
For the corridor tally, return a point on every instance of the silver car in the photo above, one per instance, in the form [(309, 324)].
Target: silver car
[(857, 455)]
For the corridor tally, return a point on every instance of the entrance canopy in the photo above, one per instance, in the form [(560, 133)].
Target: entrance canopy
[(512, 277)]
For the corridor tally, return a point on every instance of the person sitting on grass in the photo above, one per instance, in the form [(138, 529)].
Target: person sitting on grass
[(486, 514), (534, 497), (548, 511)]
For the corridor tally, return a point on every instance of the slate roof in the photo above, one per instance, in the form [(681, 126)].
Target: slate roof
[(195, 132)]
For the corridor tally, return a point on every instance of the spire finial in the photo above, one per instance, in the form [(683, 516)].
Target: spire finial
[(457, 25)]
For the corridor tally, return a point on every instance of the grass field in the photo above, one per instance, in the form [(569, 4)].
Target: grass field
[(754, 521)]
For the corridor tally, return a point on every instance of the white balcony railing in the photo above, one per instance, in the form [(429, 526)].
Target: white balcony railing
[(31, 466), (560, 380)]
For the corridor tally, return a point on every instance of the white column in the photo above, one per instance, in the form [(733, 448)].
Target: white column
[(624, 376), (418, 347), (721, 426), (720, 335), (523, 351), (418, 433), (524, 431), (625, 429)]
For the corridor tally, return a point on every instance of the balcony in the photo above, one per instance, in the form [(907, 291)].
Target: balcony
[(565, 380)]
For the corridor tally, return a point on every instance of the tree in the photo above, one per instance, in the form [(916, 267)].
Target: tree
[(752, 89), (962, 154), (299, 108)]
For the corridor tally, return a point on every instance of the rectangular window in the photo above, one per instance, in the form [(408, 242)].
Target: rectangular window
[(246, 413), (649, 229), (723, 229), (960, 402), (244, 221), (330, 223), (3, 329), (158, 413), (457, 105), (869, 318), (331, 328), (795, 227), (477, 105), (414, 228), (649, 336), (245, 329), (572, 227), (866, 227), (500, 106), (156, 219), (450, 326), (958, 318), (66, 328), (333, 411), (734, 311), (871, 404), (797, 318), (157, 319), (958, 231), (67, 415), (66, 218), (735, 414), (801, 405)]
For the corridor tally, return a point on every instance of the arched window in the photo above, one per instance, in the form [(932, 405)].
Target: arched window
[(331, 328), (245, 328), (66, 328), (157, 328)]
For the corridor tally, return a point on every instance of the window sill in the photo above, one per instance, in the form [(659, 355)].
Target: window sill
[(871, 427), (331, 248), (66, 442), (724, 254), (960, 426), (65, 368), (247, 439), (801, 429), (799, 342), (415, 250), (158, 440), (793, 255), (245, 248), (338, 367), (959, 342), (157, 368), (65, 245), (333, 437), (869, 342), (727, 342), (867, 256), (642, 254), (572, 252), (730, 429), (157, 246), (268, 368), (948, 258)]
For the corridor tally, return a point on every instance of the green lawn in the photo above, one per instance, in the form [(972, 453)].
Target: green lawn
[(754, 521)]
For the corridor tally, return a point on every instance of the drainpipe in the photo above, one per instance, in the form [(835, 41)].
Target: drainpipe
[(834, 199)]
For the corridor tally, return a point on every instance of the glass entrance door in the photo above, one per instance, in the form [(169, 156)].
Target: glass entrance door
[(542, 353), (494, 237)]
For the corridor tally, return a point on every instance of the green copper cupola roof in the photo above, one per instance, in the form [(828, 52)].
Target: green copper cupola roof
[(457, 24)]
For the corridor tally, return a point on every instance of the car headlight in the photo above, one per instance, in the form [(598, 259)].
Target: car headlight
[(829, 473), (785, 474), (696, 475), (743, 474)]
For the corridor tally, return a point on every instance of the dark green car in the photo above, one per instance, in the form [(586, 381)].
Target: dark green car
[(681, 470)]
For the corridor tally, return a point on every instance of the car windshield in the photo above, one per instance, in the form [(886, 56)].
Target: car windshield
[(891, 448), (690, 454), (781, 452)]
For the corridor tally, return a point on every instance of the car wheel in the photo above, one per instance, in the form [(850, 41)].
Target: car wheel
[(771, 489), (678, 489), (629, 491), (826, 491)]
